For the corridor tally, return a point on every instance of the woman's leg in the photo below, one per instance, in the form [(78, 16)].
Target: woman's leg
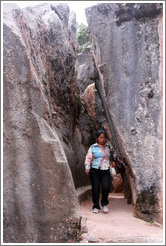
[(95, 182), (105, 184)]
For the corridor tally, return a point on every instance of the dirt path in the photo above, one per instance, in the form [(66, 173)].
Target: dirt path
[(119, 225)]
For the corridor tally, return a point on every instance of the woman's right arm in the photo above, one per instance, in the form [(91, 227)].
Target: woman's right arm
[(88, 160)]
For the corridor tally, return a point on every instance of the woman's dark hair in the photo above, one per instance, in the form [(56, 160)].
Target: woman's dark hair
[(101, 131)]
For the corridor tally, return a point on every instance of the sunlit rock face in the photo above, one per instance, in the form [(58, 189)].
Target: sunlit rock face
[(40, 203), (126, 42)]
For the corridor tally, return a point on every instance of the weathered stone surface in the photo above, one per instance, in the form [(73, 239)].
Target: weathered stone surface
[(117, 183), (91, 106), (126, 41), (40, 202), (83, 193), (84, 70)]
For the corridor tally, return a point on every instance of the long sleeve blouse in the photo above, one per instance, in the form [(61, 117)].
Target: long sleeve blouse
[(98, 158)]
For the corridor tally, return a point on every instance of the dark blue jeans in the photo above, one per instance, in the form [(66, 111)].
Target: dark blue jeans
[(100, 177)]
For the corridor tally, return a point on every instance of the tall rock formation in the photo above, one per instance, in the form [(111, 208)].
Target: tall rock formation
[(40, 203), (126, 43)]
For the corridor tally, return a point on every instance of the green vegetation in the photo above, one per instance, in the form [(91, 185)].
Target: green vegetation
[(150, 221), (82, 37)]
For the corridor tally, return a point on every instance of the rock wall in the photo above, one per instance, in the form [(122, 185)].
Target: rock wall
[(126, 43), (89, 96), (40, 203)]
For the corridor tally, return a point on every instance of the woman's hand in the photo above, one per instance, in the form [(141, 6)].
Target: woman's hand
[(87, 171), (113, 164)]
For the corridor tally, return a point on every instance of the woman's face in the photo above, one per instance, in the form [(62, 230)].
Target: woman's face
[(101, 139)]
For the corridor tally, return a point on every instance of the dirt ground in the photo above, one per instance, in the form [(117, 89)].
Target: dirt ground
[(119, 225)]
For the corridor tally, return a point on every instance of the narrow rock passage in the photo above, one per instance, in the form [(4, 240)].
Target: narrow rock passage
[(119, 225)]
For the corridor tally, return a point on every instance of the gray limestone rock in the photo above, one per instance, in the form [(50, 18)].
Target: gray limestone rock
[(126, 41), (40, 201)]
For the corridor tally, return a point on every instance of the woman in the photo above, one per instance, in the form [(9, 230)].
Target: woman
[(97, 164)]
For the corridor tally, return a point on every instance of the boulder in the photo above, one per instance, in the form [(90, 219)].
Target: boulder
[(40, 204), (126, 43)]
